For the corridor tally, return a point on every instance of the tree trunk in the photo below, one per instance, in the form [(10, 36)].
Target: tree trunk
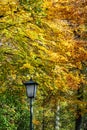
[(78, 120), (57, 123)]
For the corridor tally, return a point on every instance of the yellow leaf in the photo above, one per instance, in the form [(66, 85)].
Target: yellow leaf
[(26, 65)]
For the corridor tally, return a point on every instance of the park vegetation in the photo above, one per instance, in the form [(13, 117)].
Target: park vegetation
[(45, 40)]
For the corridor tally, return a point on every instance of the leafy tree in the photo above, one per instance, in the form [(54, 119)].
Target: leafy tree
[(45, 40), (74, 14)]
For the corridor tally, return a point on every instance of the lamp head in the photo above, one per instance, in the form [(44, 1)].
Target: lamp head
[(31, 87)]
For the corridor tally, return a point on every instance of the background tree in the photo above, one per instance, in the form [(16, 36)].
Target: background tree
[(45, 40)]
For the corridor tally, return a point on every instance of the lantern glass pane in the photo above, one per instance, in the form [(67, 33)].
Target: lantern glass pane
[(30, 90), (35, 90)]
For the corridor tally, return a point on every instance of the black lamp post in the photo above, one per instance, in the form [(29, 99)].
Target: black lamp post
[(31, 93)]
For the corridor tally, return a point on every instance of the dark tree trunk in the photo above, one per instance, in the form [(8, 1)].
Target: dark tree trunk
[(78, 121), (43, 122)]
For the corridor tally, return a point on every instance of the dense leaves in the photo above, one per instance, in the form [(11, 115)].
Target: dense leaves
[(45, 40)]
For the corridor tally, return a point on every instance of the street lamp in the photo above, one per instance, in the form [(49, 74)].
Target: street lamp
[(31, 93)]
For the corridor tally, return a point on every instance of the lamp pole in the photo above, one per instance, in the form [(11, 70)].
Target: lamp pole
[(31, 87), (31, 114)]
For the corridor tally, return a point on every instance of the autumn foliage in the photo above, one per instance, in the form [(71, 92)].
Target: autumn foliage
[(45, 40)]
